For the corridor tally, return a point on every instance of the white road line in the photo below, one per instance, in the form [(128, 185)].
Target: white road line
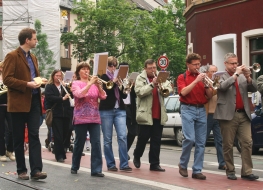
[(121, 177)]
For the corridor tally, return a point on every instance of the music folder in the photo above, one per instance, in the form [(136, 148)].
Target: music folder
[(162, 76), (122, 72)]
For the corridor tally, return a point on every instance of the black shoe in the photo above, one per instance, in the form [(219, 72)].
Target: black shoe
[(74, 171), (222, 167), (113, 169), (98, 175), (129, 157), (250, 177), (61, 160), (126, 169), (137, 162), (157, 168), (83, 154), (231, 177)]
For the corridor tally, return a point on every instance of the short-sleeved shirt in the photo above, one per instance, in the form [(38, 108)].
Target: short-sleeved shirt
[(197, 94)]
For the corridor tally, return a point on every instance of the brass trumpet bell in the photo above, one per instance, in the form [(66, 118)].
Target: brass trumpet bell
[(255, 67)]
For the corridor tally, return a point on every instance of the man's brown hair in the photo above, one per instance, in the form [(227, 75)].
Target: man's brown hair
[(24, 34), (192, 56), (148, 62)]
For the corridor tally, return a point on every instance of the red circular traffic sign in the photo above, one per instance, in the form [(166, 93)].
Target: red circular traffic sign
[(163, 62)]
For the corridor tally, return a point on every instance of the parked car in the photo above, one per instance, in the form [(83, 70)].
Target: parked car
[(173, 126), (257, 134)]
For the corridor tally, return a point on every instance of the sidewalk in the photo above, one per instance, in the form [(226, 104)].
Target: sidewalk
[(59, 177)]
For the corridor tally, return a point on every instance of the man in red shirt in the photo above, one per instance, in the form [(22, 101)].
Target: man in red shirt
[(193, 95), (150, 115), (233, 113)]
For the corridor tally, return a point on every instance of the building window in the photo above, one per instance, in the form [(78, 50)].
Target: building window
[(256, 54)]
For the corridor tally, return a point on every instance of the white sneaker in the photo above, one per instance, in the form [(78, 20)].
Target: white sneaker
[(10, 155), (3, 158)]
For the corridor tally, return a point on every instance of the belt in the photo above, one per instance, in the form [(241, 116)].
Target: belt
[(239, 111), (194, 105)]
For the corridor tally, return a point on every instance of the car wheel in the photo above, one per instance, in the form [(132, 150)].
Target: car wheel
[(179, 137)]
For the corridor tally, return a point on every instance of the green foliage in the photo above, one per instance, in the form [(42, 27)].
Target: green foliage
[(46, 63), (128, 33)]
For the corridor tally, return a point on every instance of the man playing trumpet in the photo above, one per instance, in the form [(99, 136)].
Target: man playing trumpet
[(193, 95), (150, 115), (233, 113)]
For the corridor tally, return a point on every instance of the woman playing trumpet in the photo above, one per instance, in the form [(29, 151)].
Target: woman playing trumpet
[(57, 99), (87, 91)]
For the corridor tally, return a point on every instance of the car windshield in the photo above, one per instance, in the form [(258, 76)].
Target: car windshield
[(172, 105)]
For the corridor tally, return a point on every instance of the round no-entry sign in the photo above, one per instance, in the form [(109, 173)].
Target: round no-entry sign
[(163, 62)]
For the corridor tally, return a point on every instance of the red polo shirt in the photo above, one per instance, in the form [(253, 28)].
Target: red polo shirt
[(197, 94)]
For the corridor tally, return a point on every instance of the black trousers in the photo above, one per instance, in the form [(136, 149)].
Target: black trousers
[(6, 135), (60, 126), (31, 118), (132, 127), (154, 133)]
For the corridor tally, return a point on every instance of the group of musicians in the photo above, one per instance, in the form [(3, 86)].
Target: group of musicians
[(105, 104)]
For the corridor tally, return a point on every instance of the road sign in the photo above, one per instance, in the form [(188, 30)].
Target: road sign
[(163, 62)]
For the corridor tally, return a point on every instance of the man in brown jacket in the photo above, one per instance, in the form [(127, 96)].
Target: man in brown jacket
[(24, 103)]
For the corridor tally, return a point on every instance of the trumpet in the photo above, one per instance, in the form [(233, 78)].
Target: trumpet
[(255, 67), (209, 82), (127, 85), (164, 92), (108, 84)]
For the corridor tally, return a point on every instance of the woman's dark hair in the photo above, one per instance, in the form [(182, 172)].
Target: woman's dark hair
[(80, 66)]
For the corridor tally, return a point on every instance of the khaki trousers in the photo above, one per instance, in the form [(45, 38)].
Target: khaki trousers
[(239, 126)]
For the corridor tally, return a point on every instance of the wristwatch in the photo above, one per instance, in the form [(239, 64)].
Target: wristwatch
[(236, 74)]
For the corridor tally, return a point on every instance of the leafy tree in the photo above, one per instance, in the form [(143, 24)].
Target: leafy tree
[(126, 32), (44, 55)]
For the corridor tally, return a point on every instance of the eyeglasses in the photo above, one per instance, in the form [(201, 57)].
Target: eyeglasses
[(112, 65), (234, 63), (150, 68), (197, 64)]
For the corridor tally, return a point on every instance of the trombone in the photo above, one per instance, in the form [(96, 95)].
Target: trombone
[(65, 89), (164, 92)]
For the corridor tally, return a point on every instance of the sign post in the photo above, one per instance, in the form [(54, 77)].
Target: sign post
[(163, 62)]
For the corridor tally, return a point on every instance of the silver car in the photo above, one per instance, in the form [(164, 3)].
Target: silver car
[(173, 126)]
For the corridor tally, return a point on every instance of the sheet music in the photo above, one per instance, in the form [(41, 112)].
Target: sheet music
[(218, 73), (68, 76), (96, 62), (133, 76)]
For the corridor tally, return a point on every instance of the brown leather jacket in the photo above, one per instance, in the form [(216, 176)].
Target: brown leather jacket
[(16, 74)]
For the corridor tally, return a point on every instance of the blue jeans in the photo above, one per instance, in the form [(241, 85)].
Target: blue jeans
[(194, 130), (80, 139), (213, 124), (116, 117)]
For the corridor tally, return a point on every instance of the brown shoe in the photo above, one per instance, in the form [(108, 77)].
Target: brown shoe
[(199, 176), (39, 175), (183, 171), (23, 176)]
